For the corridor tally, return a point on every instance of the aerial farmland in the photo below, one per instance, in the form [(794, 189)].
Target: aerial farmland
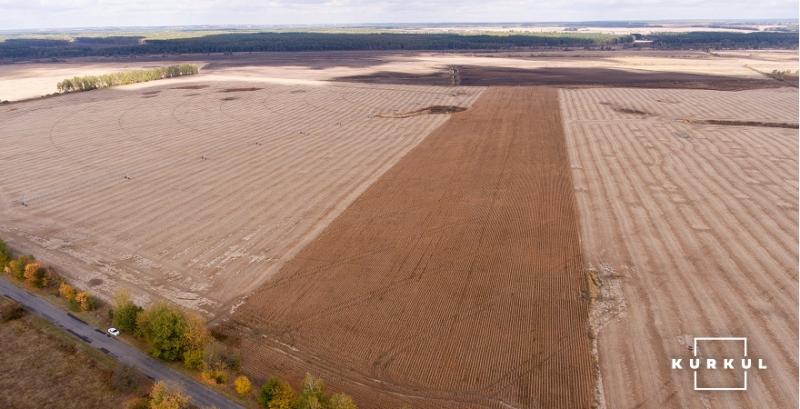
[(538, 229)]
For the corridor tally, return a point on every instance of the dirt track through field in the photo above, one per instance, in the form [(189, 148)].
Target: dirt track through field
[(692, 230), (454, 281)]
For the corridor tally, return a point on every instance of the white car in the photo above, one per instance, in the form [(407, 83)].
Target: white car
[(113, 331)]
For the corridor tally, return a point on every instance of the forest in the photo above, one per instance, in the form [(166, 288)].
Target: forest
[(32, 48)]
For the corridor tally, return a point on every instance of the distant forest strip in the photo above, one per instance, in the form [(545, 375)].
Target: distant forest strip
[(19, 48), (90, 82), (271, 41), (725, 40)]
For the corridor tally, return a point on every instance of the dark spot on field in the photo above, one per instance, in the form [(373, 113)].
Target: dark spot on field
[(199, 86), (729, 122), (95, 282), (229, 98), (243, 89), (433, 109), (148, 96), (150, 92), (193, 94), (625, 110)]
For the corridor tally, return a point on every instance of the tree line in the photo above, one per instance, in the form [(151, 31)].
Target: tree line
[(298, 41), (173, 334), (26, 269), (90, 82), (724, 40)]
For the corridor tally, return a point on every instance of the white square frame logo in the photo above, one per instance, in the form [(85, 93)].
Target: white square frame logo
[(695, 352)]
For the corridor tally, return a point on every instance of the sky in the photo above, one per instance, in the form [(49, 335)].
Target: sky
[(31, 14)]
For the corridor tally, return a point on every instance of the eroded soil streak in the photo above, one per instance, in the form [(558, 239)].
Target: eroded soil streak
[(454, 281)]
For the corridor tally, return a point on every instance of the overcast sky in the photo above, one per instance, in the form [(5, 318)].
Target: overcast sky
[(21, 14)]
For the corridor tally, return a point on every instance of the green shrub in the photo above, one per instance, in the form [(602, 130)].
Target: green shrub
[(124, 312), (164, 329)]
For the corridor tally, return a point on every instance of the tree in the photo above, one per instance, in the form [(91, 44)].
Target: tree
[(162, 397), (267, 391), (283, 397), (5, 254), (215, 369), (35, 274), (85, 301), (66, 291), (193, 359), (242, 385), (196, 336), (341, 401), (124, 312), (277, 394), (17, 266), (164, 330), (313, 394)]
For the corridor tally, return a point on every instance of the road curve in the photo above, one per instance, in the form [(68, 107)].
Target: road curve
[(96, 338)]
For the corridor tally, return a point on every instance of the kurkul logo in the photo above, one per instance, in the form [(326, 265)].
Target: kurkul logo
[(700, 362)]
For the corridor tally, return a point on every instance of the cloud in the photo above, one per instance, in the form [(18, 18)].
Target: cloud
[(20, 14)]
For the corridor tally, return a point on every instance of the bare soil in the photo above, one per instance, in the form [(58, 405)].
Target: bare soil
[(454, 281)]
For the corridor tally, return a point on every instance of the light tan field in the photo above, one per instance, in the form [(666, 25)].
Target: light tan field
[(692, 230), (19, 81), (196, 195)]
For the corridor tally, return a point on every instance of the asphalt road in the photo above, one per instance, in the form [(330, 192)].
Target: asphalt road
[(97, 338)]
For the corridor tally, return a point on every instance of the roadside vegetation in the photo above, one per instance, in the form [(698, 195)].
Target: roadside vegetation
[(90, 82), (170, 334)]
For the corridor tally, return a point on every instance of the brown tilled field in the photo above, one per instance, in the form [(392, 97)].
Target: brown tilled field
[(196, 193), (692, 231), (453, 281)]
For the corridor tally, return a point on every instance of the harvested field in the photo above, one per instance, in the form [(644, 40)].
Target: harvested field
[(454, 281), (192, 198), (690, 230)]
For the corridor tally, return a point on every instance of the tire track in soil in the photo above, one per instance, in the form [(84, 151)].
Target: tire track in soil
[(454, 281)]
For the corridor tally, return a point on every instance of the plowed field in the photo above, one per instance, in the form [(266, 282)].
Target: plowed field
[(692, 230), (454, 281)]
